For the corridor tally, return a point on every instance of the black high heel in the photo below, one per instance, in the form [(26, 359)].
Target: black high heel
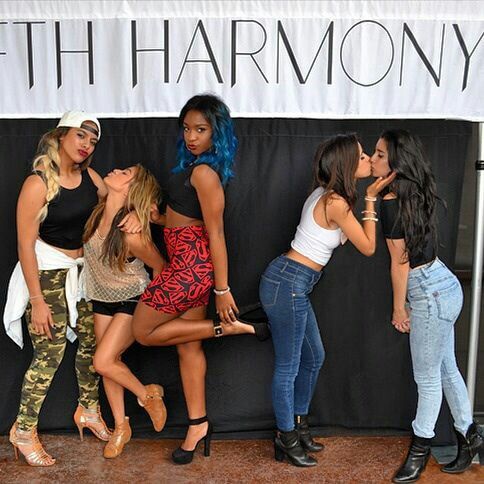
[(182, 456), (287, 444), (258, 322), (255, 316)]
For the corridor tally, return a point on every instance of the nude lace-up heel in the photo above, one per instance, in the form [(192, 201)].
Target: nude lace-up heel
[(91, 418), (27, 441)]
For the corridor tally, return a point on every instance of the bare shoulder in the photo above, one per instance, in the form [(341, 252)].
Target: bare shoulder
[(204, 175), (336, 203), (34, 185), (98, 181), (94, 175)]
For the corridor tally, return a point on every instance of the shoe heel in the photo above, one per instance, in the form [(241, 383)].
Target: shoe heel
[(278, 453), (81, 432), (481, 455), (206, 446), (15, 450)]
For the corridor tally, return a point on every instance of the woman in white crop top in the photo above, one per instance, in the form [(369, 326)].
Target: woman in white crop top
[(326, 220)]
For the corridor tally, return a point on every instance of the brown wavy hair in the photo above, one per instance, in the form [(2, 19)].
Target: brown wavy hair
[(143, 192), (335, 165)]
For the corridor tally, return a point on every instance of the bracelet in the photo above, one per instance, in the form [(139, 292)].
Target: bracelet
[(221, 292), (370, 199), (35, 297), (373, 219), (369, 211)]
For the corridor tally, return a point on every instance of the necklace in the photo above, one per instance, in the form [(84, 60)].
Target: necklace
[(99, 235)]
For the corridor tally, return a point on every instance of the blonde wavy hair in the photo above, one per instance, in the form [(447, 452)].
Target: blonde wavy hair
[(142, 193), (47, 164)]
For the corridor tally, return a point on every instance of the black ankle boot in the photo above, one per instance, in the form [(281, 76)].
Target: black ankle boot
[(417, 458), (286, 444), (467, 448), (307, 442)]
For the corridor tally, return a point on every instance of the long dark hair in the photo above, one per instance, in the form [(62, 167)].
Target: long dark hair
[(415, 189), (221, 155), (335, 165)]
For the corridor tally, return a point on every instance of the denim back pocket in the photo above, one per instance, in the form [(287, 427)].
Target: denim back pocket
[(268, 291), (449, 302)]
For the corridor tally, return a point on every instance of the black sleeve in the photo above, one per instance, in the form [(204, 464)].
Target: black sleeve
[(390, 222)]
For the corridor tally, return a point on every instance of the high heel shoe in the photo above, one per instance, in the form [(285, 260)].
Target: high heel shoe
[(182, 456), (120, 437), (154, 405), (27, 441), (287, 444), (417, 457), (261, 328), (91, 418), (307, 442), (467, 448)]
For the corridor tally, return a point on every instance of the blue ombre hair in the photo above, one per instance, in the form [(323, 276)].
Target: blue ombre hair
[(221, 155)]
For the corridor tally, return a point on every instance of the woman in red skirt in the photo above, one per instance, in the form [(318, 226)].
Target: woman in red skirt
[(172, 311)]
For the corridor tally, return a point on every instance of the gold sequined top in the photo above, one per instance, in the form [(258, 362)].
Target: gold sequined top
[(107, 284)]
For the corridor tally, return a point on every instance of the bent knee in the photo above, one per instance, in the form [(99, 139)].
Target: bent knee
[(102, 365), (142, 337)]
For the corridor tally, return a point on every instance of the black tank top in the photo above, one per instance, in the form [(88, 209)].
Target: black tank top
[(68, 213), (182, 196), (393, 229)]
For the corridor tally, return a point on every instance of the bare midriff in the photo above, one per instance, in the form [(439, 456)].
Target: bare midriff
[(175, 219), (302, 259)]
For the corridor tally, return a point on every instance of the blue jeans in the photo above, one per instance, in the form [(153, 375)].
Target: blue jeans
[(299, 354), (435, 298)]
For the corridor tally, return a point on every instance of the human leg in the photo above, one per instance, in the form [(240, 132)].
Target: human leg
[(47, 356)]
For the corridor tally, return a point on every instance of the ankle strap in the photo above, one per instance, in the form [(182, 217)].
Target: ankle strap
[(197, 421)]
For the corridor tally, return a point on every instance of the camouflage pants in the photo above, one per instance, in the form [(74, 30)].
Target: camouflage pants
[(48, 353)]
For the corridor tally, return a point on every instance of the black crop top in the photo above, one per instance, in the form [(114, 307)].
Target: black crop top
[(68, 213), (392, 229), (182, 196)]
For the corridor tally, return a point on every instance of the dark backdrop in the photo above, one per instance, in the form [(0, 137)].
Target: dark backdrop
[(366, 381)]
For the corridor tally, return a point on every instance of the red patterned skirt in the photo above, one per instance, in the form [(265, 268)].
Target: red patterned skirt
[(188, 278)]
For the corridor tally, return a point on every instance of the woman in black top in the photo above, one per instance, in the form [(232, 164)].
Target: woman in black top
[(53, 206), (172, 310), (434, 296)]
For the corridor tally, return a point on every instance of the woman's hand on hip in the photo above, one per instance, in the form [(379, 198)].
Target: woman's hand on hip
[(41, 318), (226, 308)]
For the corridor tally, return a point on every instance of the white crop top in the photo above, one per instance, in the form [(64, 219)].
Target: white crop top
[(312, 240)]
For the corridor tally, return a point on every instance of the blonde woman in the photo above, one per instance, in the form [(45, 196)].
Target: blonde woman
[(53, 206), (115, 278)]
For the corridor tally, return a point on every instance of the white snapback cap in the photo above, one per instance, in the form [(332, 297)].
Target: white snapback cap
[(74, 119)]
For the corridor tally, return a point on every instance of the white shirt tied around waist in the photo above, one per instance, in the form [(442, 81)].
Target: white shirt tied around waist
[(312, 240), (48, 258)]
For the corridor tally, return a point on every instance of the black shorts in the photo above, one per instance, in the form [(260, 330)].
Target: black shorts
[(111, 308)]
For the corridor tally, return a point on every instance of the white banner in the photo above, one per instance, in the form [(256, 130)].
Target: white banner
[(266, 59)]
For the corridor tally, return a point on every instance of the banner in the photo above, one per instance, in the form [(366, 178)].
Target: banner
[(265, 59)]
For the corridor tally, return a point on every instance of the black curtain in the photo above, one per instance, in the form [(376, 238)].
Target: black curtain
[(366, 382)]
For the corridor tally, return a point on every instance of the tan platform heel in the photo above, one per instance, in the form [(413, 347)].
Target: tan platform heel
[(119, 438), (91, 418), (27, 441), (154, 405)]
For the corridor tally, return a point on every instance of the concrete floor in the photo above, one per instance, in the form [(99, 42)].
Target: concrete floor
[(345, 460)]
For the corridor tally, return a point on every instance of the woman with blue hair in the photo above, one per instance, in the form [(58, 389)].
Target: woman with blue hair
[(172, 311)]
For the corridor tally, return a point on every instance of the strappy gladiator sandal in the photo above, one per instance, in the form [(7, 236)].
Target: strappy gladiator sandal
[(154, 405), (120, 437), (91, 418), (27, 441)]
